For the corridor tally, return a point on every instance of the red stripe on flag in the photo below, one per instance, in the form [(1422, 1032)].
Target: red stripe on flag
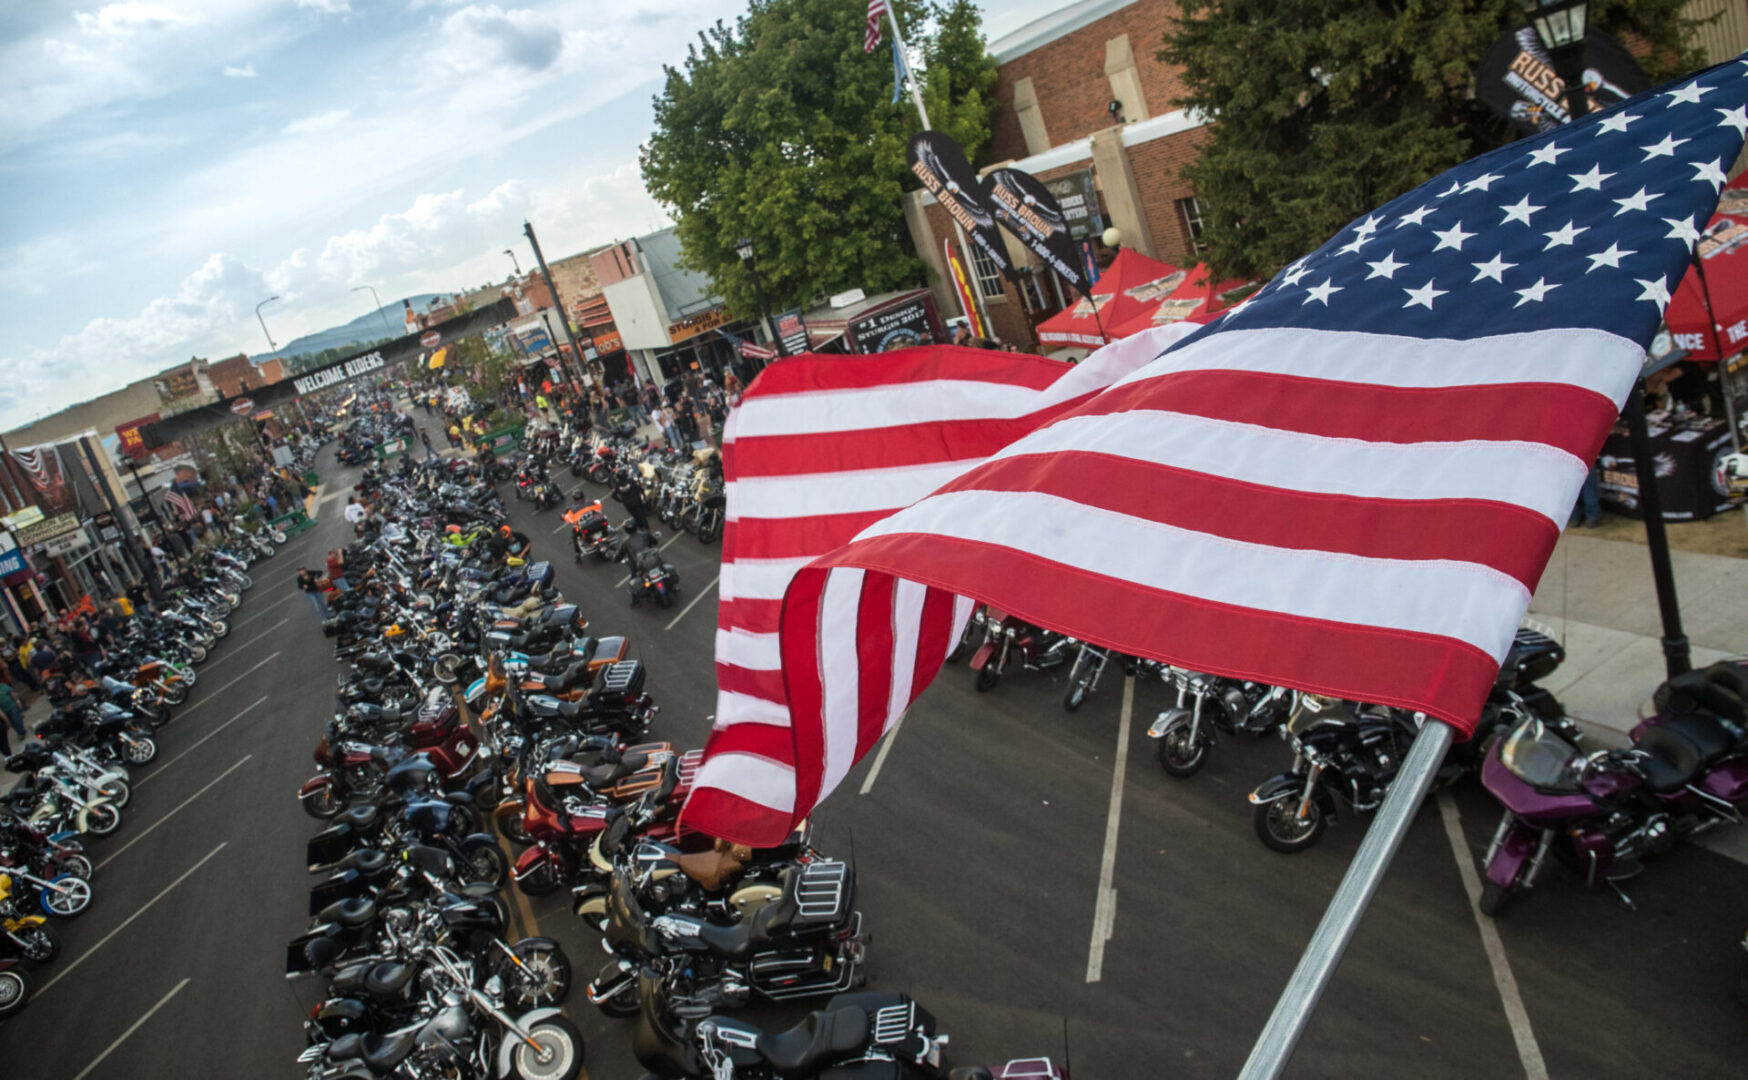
[(753, 682), (801, 679), (1441, 676), (1509, 538), (886, 447), (897, 369), (735, 819), (794, 538), (874, 653)]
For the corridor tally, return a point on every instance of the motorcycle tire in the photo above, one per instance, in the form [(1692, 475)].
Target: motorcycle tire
[(279, 536), (14, 991), (223, 629), (665, 598), (542, 881), (542, 978), (118, 792), (987, 678), (177, 694), (40, 944), (155, 716), (560, 1040), (141, 751), (576, 468), (1179, 752), (1494, 898), (1278, 827), (325, 807), (1076, 696), (710, 530), (626, 1003), (103, 820), (73, 897), (248, 582), (578, 555), (188, 678), (445, 668), (486, 865), (590, 906), (73, 863), (513, 829)]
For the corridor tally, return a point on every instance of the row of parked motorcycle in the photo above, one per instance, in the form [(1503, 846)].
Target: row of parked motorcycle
[(1602, 812), (552, 743), (75, 772)]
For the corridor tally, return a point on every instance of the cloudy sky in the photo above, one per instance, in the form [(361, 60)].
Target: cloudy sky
[(165, 164)]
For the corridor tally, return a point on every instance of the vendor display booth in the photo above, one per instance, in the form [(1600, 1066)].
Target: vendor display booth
[(855, 323)]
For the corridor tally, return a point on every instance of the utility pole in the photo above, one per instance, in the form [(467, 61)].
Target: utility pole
[(558, 302), (124, 522)]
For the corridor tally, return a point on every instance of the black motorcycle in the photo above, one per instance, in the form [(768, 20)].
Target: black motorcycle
[(651, 578), (1209, 703)]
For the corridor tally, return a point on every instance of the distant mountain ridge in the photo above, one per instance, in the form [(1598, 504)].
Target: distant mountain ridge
[(362, 330)]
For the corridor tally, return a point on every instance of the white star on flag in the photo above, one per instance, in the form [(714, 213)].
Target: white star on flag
[(1452, 237), (1666, 148), (1292, 274), (1456, 186), (1655, 291), (1709, 172), (1736, 118), (1610, 258), (1535, 292), (1493, 268), (1640, 201), (1369, 226), (1385, 267), (1481, 183), (1520, 211), (1413, 217), (1423, 296), (1688, 94), (1564, 236), (1589, 181), (1617, 122), (1680, 229), (1322, 293), (1546, 155)]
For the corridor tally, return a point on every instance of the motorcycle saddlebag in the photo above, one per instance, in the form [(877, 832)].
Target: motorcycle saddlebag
[(1533, 656), (539, 574), (619, 683)]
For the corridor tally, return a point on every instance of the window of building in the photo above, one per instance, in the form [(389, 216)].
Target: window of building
[(984, 269), (1191, 210)]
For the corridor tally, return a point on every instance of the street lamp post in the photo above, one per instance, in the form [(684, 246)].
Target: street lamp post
[(378, 299), (1560, 26), (270, 346), (744, 248), (514, 263)]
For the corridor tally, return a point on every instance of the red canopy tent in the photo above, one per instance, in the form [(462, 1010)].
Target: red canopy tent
[(1198, 297), (1129, 287), (1723, 250)]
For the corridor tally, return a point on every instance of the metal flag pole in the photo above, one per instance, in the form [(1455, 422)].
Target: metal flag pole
[(1274, 1047)]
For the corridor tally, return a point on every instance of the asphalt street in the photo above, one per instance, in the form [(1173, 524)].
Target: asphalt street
[(981, 846)]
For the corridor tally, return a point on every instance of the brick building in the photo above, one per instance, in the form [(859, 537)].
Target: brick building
[(1082, 102), (236, 375)]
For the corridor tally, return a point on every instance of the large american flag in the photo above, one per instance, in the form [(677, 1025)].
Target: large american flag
[(1349, 485), (871, 36)]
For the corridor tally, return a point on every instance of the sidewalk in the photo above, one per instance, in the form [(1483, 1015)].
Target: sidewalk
[(1598, 598), (34, 715)]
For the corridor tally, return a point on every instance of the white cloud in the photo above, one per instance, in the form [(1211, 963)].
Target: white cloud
[(319, 122), (507, 194), (332, 7), (127, 16), (247, 71), (478, 38)]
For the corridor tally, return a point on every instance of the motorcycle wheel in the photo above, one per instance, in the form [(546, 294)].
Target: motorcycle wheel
[(710, 529), (155, 716), (487, 864), (664, 598), (987, 678), (576, 468), (248, 582), (103, 820), (14, 991), (324, 806), (40, 945), (278, 536), (1279, 828), (542, 881), (1494, 897), (223, 629), (1179, 752), (591, 907), (73, 863), (117, 791), (542, 978), (177, 694), (1076, 696), (74, 897), (445, 668), (141, 751), (513, 829), (561, 1047), (628, 1002)]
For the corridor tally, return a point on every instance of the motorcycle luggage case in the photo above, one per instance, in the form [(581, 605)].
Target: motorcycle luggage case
[(1534, 656), (620, 684), (539, 573)]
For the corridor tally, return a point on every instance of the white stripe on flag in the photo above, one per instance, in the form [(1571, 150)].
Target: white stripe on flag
[(907, 617), (756, 779), (840, 492), (840, 672), (1466, 601), (745, 649), (733, 707), (759, 579)]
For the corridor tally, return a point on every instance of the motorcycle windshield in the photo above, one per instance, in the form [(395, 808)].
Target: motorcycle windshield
[(1541, 758)]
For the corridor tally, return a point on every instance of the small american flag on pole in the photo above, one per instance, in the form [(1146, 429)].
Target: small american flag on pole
[(871, 40), (1350, 484), (180, 503)]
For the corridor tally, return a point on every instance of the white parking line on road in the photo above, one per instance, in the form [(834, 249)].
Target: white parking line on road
[(228, 685), (110, 1049), (116, 854), (250, 642), (880, 758), (688, 608), (196, 746), (125, 923), (1105, 913), (664, 547), (1516, 1016), (266, 609)]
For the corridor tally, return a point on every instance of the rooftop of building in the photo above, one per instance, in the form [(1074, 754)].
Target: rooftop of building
[(1052, 27)]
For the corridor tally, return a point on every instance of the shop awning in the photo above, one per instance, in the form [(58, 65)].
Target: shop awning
[(1197, 298), (1723, 251), (1131, 286)]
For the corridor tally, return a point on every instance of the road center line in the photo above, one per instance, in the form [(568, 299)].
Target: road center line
[(1516, 1016), (196, 746), (885, 747), (227, 686), (265, 610), (688, 608), (1105, 913), (248, 643), (125, 923), (110, 1049), (116, 854)]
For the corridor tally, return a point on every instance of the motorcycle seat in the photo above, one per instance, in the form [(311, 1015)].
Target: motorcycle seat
[(377, 662), (597, 776), (823, 1037), (387, 979), (369, 862), (362, 817), (1720, 690), (1670, 761), (350, 914), (1711, 735), (711, 869), (381, 1053)]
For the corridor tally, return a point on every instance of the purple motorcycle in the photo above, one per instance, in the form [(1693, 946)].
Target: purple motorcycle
[(1685, 772)]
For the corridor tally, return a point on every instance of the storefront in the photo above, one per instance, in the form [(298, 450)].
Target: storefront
[(854, 323)]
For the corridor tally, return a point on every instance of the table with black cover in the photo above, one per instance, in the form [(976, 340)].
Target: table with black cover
[(1687, 451)]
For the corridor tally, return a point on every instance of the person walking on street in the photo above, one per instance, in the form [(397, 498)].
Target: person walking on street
[(425, 437), (336, 565), (310, 582), (13, 718)]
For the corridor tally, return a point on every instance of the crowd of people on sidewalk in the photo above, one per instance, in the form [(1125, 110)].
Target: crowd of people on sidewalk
[(57, 651)]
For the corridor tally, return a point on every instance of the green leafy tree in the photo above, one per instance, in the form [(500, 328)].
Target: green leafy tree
[(1328, 108), (782, 130)]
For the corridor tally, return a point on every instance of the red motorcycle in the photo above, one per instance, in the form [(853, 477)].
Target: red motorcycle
[(1007, 638), (349, 769), (567, 831)]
